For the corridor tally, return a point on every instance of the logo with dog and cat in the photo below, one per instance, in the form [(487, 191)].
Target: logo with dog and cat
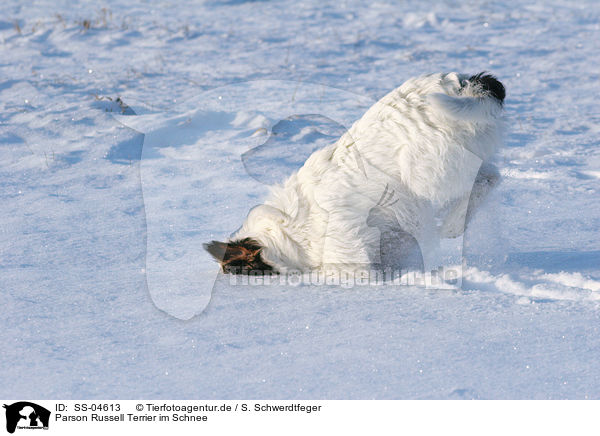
[(24, 415)]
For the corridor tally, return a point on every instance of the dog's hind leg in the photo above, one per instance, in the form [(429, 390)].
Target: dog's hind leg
[(462, 210)]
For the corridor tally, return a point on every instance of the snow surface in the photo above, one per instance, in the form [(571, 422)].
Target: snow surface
[(80, 316)]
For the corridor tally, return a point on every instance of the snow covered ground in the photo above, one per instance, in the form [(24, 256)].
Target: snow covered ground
[(79, 289)]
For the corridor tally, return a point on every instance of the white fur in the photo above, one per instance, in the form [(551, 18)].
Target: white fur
[(424, 141)]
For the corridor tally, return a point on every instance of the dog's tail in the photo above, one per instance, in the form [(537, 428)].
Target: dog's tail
[(473, 109)]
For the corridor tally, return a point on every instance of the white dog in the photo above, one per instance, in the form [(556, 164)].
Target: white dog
[(408, 172)]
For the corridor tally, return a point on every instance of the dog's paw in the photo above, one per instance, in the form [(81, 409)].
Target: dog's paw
[(452, 229), (455, 222)]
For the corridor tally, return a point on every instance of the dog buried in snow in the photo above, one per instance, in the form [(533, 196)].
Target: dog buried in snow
[(411, 171)]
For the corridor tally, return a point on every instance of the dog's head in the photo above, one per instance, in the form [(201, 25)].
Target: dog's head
[(242, 256)]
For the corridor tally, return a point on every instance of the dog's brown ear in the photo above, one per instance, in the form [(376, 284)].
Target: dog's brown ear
[(239, 256), (224, 252)]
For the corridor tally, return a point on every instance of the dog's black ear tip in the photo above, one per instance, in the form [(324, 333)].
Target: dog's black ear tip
[(216, 249)]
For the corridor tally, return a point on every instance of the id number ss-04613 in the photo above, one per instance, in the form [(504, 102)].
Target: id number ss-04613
[(97, 407)]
